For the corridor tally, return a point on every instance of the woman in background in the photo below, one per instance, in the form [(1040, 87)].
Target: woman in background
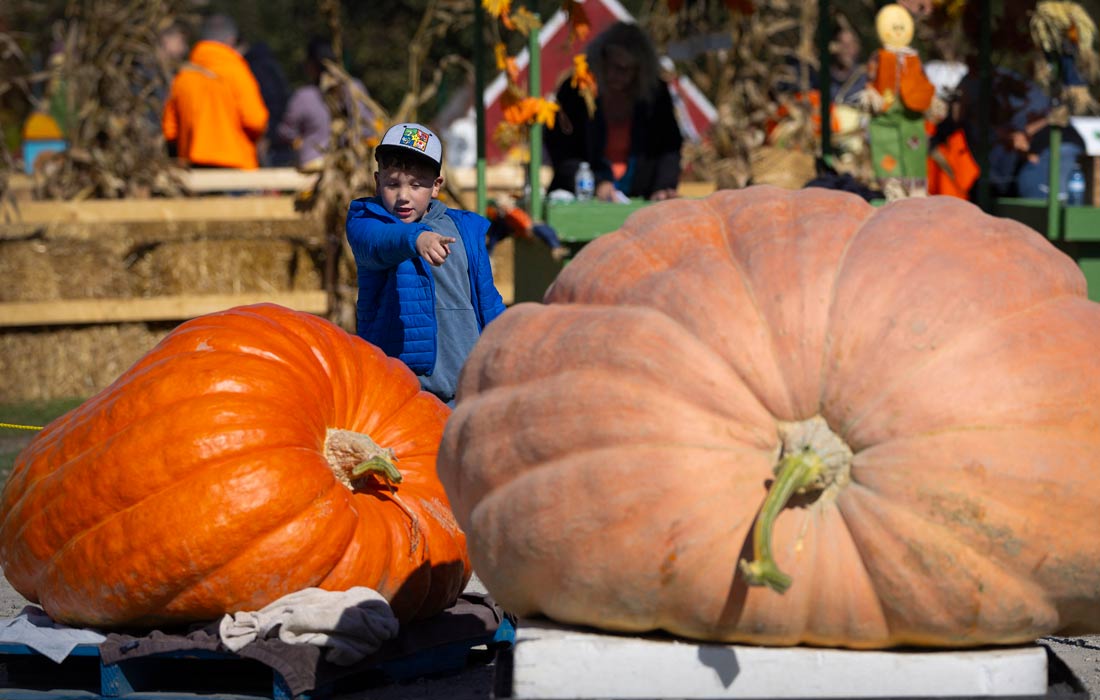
[(631, 139)]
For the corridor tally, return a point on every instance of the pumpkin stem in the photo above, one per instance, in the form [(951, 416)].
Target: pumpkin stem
[(811, 457), (353, 455), (382, 465), (797, 472)]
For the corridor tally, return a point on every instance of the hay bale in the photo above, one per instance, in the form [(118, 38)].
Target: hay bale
[(74, 260), (61, 362), (504, 273), (41, 270), (105, 260), (224, 266), (782, 167)]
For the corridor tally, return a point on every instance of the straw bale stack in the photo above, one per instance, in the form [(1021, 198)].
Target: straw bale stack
[(61, 362), (787, 168), (103, 260), (140, 259), (39, 270), (225, 266)]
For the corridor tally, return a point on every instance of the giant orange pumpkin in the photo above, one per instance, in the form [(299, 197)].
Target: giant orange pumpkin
[(219, 473), (789, 417)]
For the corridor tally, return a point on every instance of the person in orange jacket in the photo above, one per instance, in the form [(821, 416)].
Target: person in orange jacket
[(215, 114)]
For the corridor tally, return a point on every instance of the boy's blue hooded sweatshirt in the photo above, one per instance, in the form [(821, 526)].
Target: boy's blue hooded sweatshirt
[(396, 309)]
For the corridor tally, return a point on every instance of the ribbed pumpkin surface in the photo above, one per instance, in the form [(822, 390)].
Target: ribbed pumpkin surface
[(198, 484), (612, 449)]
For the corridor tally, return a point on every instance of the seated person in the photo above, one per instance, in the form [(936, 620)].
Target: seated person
[(632, 140), (1033, 177)]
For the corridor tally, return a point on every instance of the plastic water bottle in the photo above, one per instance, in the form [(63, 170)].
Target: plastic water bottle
[(584, 186), (1075, 188)]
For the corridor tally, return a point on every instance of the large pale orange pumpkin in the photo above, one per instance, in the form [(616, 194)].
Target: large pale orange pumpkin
[(217, 474), (912, 393)]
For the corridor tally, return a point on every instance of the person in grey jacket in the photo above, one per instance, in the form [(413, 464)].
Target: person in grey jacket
[(306, 124), (425, 284)]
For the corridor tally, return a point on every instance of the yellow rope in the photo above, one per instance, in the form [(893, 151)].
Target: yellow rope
[(16, 426)]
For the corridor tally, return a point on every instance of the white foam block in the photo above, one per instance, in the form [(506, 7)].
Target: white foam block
[(551, 661)]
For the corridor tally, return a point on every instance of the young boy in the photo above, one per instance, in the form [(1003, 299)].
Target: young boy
[(425, 286)]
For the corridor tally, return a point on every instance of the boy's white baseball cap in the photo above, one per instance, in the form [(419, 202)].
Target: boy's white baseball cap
[(415, 137)]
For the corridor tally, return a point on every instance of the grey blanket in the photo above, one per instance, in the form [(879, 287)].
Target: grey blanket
[(473, 619)]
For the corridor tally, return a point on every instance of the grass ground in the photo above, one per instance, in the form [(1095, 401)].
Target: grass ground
[(27, 413)]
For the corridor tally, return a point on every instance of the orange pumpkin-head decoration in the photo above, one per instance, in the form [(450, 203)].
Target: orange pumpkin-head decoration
[(788, 417), (252, 453)]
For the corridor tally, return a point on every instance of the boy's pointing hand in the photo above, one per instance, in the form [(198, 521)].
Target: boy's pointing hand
[(434, 247)]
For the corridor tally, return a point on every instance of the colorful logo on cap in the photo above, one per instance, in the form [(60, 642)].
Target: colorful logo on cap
[(415, 138)]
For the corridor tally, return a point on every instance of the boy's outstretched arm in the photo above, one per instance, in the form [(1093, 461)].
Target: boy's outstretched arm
[(377, 244), (434, 247)]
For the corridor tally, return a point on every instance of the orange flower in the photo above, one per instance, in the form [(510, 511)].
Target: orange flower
[(506, 63), (515, 107), (497, 8), (579, 26), (501, 9), (584, 82), (524, 22), (511, 69), (522, 110), (545, 111), (582, 77)]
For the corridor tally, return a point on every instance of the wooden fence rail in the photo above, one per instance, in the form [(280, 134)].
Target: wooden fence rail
[(164, 308)]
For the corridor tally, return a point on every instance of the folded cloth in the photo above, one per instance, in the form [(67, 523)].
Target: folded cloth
[(473, 619), (34, 628), (349, 624)]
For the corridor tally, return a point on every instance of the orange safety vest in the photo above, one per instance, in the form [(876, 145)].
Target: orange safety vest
[(215, 112)]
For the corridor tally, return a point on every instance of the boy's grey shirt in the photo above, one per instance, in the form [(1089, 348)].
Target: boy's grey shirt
[(396, 308), (456, 320)]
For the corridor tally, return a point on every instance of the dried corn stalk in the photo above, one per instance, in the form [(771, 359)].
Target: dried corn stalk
[(105, 80), (747, 57), (9, 208)]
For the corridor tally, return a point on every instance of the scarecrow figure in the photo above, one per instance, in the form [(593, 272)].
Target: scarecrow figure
[(1065, 33), (898, 93)]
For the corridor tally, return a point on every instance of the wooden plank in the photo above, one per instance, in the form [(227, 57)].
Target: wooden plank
[(166, 308), (187, 209), (204, 180), (309, 232), (507, 177), (20, 187), (20, 181), (500, 177), (233, 180), (697, 189)]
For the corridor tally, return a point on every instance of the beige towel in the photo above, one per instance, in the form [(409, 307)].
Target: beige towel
[(350, 624)]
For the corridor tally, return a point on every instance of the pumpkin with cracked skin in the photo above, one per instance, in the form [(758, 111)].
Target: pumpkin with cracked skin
[(252, 453), (788, 417)]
